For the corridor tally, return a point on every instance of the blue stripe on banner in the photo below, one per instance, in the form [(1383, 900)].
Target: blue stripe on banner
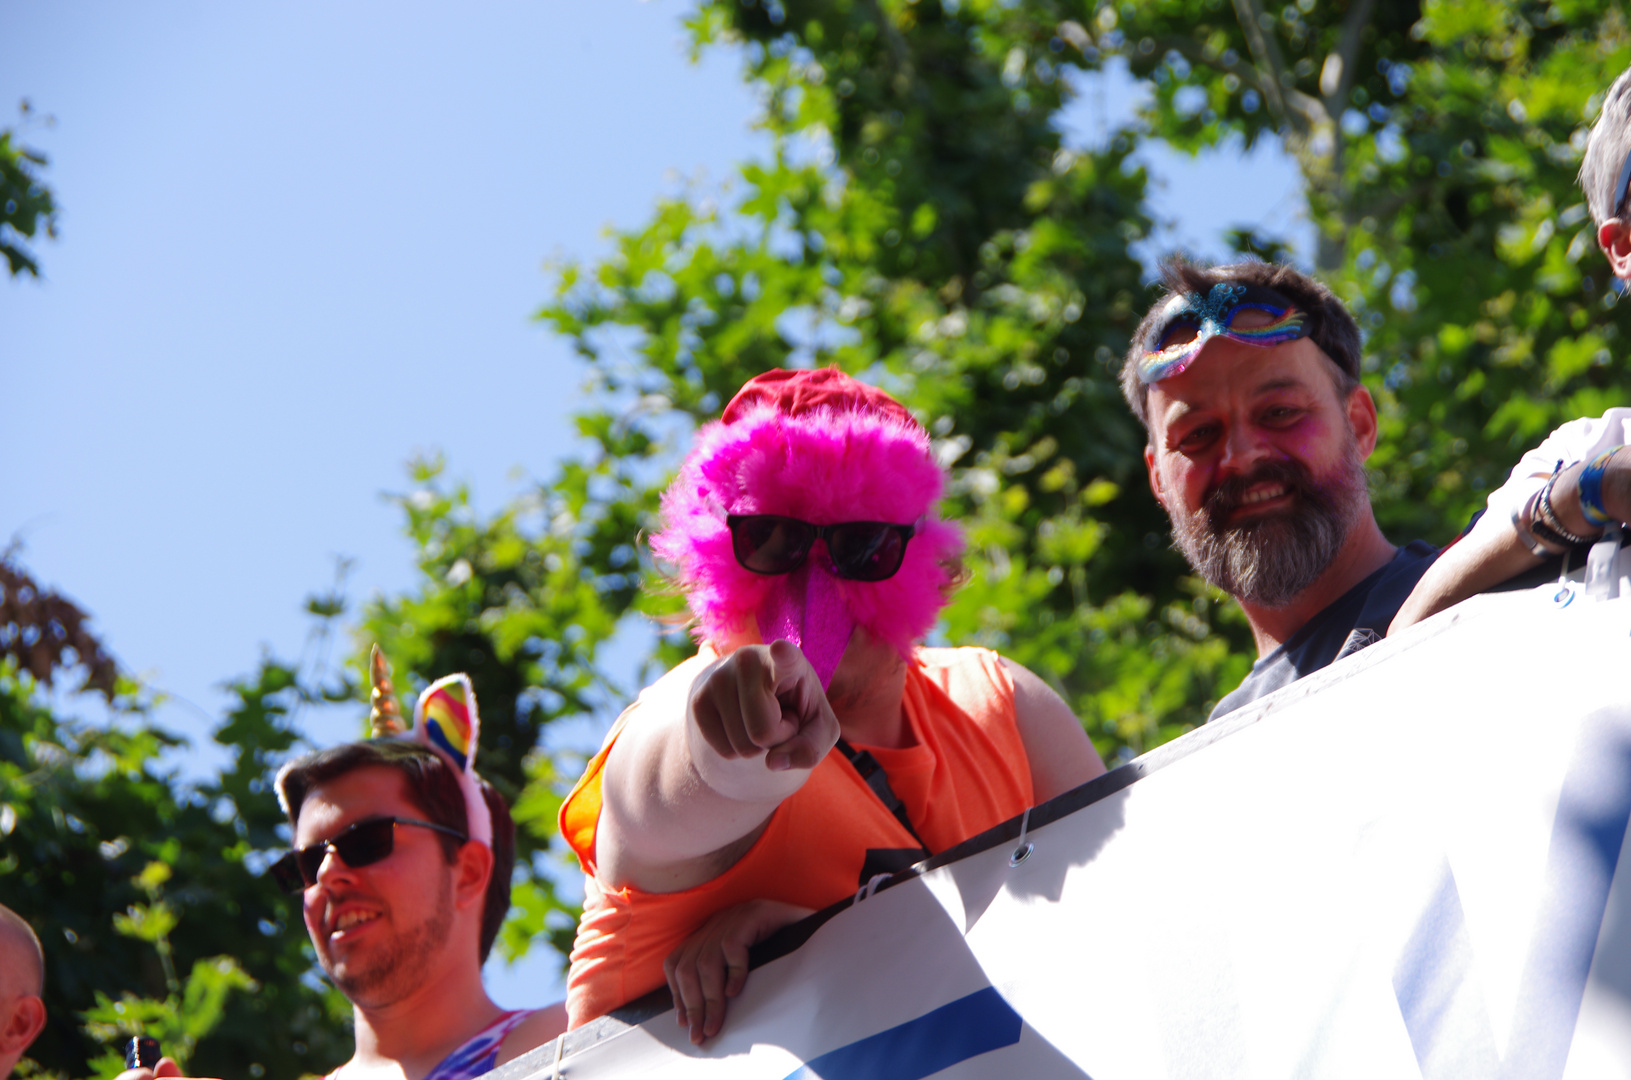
[(966, 1028), (1435, 979), (1438, 993), (1587, 836)]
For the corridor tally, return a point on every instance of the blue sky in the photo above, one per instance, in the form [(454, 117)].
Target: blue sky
[(301, 243)]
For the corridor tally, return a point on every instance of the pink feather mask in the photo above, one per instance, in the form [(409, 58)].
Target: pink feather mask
[(823, 448)]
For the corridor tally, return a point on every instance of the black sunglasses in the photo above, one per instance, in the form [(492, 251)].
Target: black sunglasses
[(860, 550), (361, 844)]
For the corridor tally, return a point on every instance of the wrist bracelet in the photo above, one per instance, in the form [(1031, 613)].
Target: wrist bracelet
[(1551, 536), (1522, 515), (1553, 523), (1591, 489)]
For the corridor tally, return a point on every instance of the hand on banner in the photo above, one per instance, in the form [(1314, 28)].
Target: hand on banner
[(763, 699), (712, 965)]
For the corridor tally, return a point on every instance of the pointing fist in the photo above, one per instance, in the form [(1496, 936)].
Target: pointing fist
[(763, 699)]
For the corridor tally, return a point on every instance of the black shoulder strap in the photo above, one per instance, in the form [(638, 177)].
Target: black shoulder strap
[(873, 775)]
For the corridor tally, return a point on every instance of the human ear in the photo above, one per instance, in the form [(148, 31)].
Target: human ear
[(23, 1025), (472, 872), (1614, 237), (1362, 419), (1155, 475)]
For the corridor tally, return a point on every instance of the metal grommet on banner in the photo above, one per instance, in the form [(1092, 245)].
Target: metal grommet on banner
[(1024, 849), (1565, 588)]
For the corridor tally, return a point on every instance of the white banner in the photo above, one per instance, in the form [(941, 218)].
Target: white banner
[(1402, 866)]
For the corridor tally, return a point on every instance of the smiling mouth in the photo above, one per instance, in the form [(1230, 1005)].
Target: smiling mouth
[(1262, 494), (351, 920)]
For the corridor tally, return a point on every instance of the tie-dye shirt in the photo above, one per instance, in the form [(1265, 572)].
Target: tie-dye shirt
[(478, 1055)]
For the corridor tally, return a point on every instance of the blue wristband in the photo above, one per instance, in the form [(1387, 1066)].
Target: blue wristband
[(1591, 489)]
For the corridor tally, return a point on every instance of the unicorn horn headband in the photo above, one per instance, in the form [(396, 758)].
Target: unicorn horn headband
[(384, 717), (445, 721)]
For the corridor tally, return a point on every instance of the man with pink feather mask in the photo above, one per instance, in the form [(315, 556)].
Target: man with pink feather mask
[(803, 533)]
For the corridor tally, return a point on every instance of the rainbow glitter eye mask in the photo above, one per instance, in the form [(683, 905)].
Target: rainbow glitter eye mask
[(1190, 320)]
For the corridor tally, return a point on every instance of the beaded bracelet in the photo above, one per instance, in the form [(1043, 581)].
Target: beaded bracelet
[(1551, 536), (1591, 489), (1523, 518), (1553, 524)]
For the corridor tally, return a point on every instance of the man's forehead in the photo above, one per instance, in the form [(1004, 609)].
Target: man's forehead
[(369, 791), (1215, 376)]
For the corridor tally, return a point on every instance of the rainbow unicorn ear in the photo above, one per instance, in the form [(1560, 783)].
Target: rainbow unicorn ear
[(445, 719)]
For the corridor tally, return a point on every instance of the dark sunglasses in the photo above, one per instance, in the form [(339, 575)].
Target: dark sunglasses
[(860, 550), (361, 844)]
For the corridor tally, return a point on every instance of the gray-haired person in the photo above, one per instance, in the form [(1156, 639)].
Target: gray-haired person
[(1566, 492)]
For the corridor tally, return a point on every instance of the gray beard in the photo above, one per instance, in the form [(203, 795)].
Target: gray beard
[(1269, 561), (402, 965)]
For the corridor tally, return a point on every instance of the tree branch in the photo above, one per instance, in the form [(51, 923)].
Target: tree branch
[(1295, 102), (1346, 56), (1266, 54), (1196, 53)]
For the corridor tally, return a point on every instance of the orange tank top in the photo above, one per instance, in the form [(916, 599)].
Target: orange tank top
[(966, 772)]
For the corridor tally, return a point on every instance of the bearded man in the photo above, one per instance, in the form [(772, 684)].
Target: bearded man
[(1247, 379)]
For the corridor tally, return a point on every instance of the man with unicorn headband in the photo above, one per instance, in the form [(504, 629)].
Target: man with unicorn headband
[(402, 857), (812, 743)]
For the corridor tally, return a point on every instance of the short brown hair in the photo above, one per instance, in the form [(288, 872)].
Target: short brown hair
[(433, 787), (1333, 329)]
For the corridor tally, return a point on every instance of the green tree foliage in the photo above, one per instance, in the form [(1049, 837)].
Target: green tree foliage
[(187, 1012), (26, 204), (144, 890), (1439, 143), (520, 601), (917, 221)]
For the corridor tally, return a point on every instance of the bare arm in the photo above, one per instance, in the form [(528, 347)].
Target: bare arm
[(1060, 753), (1492, 553), (541, 1027), (1485, 557), (703, 762)]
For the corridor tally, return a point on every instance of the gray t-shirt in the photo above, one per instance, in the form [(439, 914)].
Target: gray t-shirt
[(1359, 617)]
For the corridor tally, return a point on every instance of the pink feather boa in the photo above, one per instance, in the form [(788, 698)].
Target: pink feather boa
[(824, 466)]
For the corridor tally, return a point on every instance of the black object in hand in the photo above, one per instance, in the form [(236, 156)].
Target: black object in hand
[(142, 1052)]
